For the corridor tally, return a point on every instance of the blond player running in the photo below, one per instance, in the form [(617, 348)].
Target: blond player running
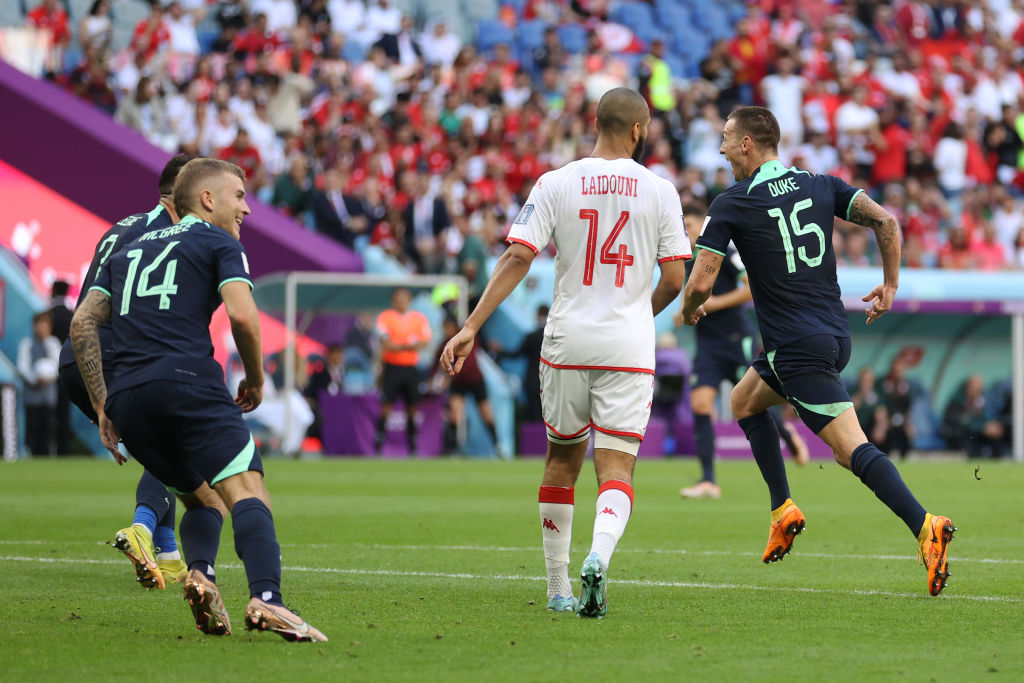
[(611, 221)]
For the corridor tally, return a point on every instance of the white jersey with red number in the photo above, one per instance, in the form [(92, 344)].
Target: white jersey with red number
[(612, 222)]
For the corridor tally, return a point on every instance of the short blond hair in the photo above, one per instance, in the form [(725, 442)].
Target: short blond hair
[(191, 178)]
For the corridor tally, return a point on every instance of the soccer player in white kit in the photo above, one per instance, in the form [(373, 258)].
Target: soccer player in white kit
[(612, 221)]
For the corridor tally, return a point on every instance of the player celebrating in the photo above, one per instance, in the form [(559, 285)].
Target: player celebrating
[(724, 345), (780, 220), (611, 220), (149, 542), (168, 396)]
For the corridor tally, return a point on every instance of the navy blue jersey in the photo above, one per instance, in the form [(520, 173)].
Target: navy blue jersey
[(121, 233), (164, 287), (780, 220), (729, 324)]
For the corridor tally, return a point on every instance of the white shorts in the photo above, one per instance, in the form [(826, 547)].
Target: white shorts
[(612, 402)]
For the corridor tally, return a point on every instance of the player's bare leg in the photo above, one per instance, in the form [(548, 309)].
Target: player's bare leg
[(614, 505), (853, 451), (557, 503), (751, 399), (702, 400)]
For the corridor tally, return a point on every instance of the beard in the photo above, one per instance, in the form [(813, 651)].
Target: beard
[(638, 151)]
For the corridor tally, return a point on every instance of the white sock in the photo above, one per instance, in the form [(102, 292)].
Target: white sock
[(173, 555), (614, 504), (556, 508)]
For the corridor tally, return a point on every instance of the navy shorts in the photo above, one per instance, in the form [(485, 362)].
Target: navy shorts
[(716, 362), (71, 382), (184, 434), (806, 373)]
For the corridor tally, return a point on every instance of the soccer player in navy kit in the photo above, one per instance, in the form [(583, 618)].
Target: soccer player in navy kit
[(725, 343), (168, 400), (149, 542), (780, 220)]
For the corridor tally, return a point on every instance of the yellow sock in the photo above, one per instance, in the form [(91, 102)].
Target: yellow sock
[(926, 529), (777, 512)]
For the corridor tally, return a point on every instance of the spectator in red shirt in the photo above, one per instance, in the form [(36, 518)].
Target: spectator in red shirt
[(150, 33), (50, 16), (956, 254), (890, 147), (244, 155), (988, 251)]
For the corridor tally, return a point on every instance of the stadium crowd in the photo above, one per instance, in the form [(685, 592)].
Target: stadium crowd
[(378, 128), (389, 131)]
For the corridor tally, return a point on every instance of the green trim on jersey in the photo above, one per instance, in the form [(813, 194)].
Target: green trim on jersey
[(710, 249), (239, 464), (154, 214), (859, 190), (99, 289), (770, 170), (236, 279)]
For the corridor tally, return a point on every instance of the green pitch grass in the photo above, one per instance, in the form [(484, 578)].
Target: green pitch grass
[(432, 571)]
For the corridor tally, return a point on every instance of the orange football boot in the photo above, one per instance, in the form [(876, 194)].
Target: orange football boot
[(937, 534), (783, 531)]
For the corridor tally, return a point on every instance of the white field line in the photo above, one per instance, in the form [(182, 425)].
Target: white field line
[(537, 579), (513, 549)]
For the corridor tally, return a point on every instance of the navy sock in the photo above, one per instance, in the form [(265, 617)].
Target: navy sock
[(200, 539), (881, 476), (145, 516), (256, 544), (783, 432), (163, 535), (704, 434), (764, 442), (151, 493)]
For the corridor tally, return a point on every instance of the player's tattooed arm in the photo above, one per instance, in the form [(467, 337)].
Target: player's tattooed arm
[(698, 285), (865, 211), (85, 340)]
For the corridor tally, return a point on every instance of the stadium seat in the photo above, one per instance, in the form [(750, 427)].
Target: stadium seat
[(126, 14), (531, 33), (491, 32), (633, 14), (573, 37)]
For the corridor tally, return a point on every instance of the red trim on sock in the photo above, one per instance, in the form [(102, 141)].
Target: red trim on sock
[(560, 494), (620, 485)]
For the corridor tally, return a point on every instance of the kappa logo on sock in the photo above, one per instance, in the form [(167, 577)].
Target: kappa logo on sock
[(548, 524), (608, 511)]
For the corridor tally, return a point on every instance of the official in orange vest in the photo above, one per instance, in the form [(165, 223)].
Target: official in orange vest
[(403, 333)]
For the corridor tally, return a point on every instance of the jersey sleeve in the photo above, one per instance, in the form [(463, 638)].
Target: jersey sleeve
[(101, 282), (673, 243), (231, 263), (536, 220), (716, 233), (844, 194)]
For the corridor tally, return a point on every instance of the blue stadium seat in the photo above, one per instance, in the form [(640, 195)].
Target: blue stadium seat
[(632, 14), (531, 33), (491, 32), (573, 37)]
